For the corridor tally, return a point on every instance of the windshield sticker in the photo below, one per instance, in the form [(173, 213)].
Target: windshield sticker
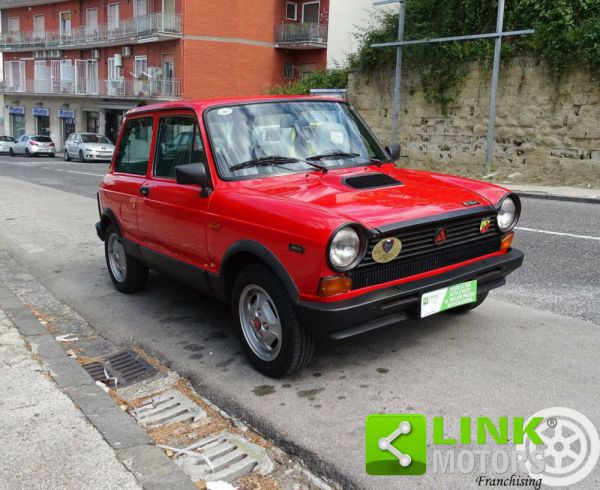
[(225, 111), (336, 137)]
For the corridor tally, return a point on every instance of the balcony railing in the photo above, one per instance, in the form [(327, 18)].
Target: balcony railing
[(159, 88), (301, 34), (143, 26)]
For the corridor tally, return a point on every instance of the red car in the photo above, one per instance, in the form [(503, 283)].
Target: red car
[(290, 210)]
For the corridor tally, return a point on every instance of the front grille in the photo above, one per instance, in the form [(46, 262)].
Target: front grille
[(420, 253)]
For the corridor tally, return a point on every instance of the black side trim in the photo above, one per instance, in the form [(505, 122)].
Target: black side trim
[(437, 217), (264, 254)]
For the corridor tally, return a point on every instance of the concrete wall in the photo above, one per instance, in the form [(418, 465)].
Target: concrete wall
[(546, 132)]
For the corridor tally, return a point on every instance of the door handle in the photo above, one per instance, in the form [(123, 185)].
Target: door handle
[(144, 190)]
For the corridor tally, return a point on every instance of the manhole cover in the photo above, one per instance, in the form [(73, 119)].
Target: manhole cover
[(225, 457), (120, 369), (169, 408)]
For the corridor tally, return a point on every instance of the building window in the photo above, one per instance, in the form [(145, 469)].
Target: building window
[(13, 25), (65, 23), (288, 70), (113, 16), (42, 124), (92, 124), (311, 12), (91, 22), (291, 11), (39, 27)]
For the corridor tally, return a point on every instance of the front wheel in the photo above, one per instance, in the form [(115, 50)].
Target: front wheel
[(11, 152), (126, 272), (469, 306), (27, 152), (67, 157), (269, 329)]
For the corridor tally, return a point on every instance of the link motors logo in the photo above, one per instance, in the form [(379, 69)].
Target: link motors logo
[(556, 446), (570, 449)]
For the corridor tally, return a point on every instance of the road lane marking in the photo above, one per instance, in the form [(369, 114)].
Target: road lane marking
[(84, 173), (546, 232)]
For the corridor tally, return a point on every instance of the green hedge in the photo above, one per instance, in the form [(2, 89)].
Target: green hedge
[(334, 78)]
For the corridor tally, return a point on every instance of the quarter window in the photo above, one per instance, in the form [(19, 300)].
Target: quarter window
[(178, 143), (134, 150)]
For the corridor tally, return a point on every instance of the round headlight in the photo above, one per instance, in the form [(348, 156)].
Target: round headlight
[(507, 215), (344, 248)]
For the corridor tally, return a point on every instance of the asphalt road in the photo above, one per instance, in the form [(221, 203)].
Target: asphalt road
[(561, 273), (502, 359)]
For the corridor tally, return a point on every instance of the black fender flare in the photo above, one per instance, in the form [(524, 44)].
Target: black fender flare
[(261, 252), (108, 215)]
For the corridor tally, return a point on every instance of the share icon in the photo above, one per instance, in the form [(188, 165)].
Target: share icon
[(385, 443)]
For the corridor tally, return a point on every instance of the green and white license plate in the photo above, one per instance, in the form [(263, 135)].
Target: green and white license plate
[(450, 297)]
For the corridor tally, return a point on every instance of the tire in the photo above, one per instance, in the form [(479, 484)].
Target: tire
[(81, 157), (11, 152), (469, 306), (127, 273), (294, 348), (67, 157), (27, 152)]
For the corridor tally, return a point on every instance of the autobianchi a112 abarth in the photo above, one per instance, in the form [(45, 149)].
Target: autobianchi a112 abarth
[(290, 210)]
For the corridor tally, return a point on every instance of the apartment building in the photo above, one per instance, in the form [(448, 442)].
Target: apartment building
[(79, 65)]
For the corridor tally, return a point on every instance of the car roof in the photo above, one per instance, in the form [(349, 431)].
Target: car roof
[(200, 105)]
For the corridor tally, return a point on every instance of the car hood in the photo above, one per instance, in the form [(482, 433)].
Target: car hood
[(419, 194), (99, 146)]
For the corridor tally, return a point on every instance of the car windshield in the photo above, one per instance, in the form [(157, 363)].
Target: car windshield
[(42, 139), (95, 138), (330, 132)]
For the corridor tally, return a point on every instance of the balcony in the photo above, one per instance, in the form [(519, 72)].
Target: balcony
[(142, 29), (9, 4), (301, 36), (122, 88)]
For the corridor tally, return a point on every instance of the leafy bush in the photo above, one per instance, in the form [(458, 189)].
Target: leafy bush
[(567, 34), (333, 78)]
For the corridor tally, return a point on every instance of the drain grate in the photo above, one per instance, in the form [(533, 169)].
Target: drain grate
[(169, 408), (224, 457), (123, 369)]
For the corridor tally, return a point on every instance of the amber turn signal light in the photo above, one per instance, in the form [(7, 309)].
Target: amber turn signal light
[(507, 240), (330, 286)]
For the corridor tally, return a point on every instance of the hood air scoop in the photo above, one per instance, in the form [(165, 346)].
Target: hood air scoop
[(370, 181)]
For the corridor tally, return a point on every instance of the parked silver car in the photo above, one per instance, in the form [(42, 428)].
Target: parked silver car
[(33, 145), (88, 147), (5, 143)]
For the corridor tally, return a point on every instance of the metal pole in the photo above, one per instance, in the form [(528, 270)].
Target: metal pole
[(398, 82), (495, 73)]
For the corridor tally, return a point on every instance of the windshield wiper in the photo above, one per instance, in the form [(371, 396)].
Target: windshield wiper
[(275, 160), (332, 155)]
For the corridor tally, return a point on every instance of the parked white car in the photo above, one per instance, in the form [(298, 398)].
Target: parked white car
[(88, 147), (5, 143), (33, 145)]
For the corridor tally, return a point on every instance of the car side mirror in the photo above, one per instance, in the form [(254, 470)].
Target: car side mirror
[(393, 150), (194, 174)]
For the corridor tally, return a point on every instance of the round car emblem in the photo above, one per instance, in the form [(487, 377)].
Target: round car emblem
[(440, 236), (386, 250)]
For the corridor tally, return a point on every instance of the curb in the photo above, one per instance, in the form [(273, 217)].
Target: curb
[(133, 447), (556, 197)]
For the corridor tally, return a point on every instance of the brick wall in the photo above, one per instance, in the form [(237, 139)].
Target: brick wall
[(546, 132)]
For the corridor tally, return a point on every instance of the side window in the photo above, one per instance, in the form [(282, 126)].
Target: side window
[(134, 150), (178, 143)]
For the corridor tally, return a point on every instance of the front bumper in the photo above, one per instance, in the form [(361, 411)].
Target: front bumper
[(387, 306), (98, 158)]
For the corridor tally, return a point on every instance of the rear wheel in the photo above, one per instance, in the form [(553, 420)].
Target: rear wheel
[(126, 272), (269, 329), (469, 306)]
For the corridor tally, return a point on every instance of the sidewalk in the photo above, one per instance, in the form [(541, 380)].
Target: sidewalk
[(573, 194), (46, 441)]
